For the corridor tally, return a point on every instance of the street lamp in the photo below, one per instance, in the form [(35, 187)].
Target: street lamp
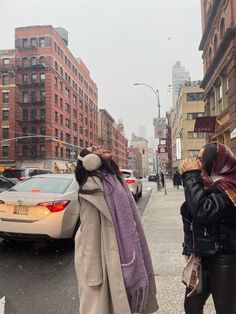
[(156, 92)]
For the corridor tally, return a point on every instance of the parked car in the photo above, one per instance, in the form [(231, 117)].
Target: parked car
[(152, 178), (23, 173), (44, 206), (134, 182), (6, 184)]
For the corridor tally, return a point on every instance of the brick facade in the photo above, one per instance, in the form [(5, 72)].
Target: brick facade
[(219, 60)]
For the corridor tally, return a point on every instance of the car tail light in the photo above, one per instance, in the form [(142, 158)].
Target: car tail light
[(22, 178), (56, 206), (2, 202), (130, 181)]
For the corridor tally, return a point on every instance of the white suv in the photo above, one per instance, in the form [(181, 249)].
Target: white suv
[(134, 183)]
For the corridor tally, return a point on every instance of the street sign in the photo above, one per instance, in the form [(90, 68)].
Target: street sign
[(160, 127), (162, 149)]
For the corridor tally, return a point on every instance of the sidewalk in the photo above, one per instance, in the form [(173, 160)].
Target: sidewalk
[(163, 228)]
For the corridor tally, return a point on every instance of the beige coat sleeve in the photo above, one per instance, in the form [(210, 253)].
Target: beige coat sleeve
[(91, 243)]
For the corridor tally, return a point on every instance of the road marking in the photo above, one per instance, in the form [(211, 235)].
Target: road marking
[(2, 305)]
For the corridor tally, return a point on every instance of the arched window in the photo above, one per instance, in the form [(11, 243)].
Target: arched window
[(42, 60), (222, 28), (33, 61), (215, 43), (210, 55)]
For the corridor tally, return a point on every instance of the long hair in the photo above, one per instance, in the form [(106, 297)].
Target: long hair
[(209, 156), (81, 174)]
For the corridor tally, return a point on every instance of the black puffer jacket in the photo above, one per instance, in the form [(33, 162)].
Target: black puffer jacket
[(209, 218)]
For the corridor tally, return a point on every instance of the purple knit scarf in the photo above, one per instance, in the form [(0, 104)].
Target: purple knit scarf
[(134, 254)]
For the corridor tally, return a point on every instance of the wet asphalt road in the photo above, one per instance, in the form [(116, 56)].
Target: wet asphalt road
[(39, 278)]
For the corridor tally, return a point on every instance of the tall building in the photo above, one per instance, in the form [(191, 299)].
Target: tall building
[(112, 137), (56, 100), (179, 77), (219, 58), (142, 144), (185, 142)]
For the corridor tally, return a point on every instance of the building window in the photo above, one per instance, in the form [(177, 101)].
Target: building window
[(56, 116), (25, 114), (42, 60), (74, 100), (67, 108), (33, 78), (5, 80), (56, 100), (33, 151), (33, 114), (67, 138), (33, 42), (193, 153), (75, 141), (74, 113), (42, 42), (33, 97), (25, 97), (34, 130), (61, 103), (42, 130), (25, 62), (67, 153), (81, 143), (5, 115), (25, 42), (194, 115), (42, 151), (67, 123), (42, 95), (193, 135), (222, 28), (195, 96), (33, 61), (5, 133), (67, 93), (74, 127), (25, 78), (42, 77), (5, 151), (225, 91), (61, 136), (61, 119), (62, 152), (57, 151), (42, 114), (56, 133), (5, 97), (6, 61)]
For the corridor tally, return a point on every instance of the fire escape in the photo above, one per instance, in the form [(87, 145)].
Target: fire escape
[(31, 100)]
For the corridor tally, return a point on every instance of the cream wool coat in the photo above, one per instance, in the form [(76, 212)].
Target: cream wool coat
[(97, 258)]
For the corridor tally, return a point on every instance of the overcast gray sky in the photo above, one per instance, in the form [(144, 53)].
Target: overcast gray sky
[(122, 42)]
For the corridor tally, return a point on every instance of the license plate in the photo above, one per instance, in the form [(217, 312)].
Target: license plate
[(21, 210)]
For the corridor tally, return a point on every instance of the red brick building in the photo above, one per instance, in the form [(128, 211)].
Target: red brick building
[(7, 101), (112, 137), (56, 100), (219, 59)]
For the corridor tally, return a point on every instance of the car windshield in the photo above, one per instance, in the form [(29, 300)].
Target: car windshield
[(126, 174), (14, 173), (44, 185)]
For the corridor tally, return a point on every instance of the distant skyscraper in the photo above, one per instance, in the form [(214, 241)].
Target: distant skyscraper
[(179, 77), (142, 131)]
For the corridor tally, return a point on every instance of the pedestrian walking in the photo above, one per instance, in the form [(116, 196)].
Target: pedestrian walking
[(209, 219), (177, 179), (162, 179), (112, 259)]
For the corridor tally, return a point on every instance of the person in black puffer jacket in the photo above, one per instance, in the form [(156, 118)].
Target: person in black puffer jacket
[(209, 222)]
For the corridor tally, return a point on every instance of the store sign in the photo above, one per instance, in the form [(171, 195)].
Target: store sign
[(205, 124), (178, 148)]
